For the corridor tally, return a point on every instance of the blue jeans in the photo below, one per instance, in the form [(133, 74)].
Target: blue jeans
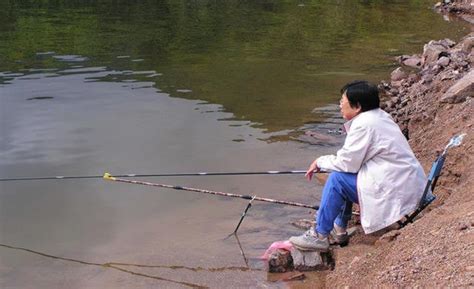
[(339, 193)]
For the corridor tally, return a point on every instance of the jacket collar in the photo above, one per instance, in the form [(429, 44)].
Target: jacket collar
[(347, 124)]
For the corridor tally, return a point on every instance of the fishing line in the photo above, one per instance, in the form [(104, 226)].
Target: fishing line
[(155, 175), (104, 265)]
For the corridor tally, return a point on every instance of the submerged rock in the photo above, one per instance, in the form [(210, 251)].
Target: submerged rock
[(304, 224), (317, 138)]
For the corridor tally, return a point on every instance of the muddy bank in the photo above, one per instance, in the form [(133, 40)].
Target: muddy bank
[(431, 97)]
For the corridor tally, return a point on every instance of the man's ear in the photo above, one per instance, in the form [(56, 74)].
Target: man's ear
[(357, 107)]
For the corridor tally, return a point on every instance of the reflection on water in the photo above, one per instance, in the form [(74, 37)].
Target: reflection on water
[(87, 126), (174, 86), (267, 61)]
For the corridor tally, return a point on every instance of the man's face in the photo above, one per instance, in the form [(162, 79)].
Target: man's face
[(347, 111)]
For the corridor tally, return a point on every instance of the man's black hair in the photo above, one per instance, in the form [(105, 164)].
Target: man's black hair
[(362, 93)]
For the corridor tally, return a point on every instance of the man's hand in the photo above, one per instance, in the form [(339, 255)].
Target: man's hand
[(312, 168)]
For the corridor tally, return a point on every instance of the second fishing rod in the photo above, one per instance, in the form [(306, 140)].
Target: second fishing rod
[(109, 177)]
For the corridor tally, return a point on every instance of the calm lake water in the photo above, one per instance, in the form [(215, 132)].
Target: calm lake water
[(88, 87)]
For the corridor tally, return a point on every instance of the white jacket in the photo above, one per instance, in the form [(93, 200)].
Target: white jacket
[(390, 180)]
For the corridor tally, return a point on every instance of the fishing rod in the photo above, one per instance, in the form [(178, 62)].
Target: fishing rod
[(109, 177), (157, 175)]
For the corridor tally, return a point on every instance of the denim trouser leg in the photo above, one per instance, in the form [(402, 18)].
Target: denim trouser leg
[(339, 193)]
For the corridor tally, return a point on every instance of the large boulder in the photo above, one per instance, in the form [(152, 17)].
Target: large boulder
[(462, 89), (433, 50)]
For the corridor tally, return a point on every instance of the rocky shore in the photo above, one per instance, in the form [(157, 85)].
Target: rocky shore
[(424, 83), (431, 97), (463, 9)]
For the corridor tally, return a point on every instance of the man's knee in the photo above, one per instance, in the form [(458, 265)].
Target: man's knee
[(335, 177), (341, 180), (344, 184), (333, 183)]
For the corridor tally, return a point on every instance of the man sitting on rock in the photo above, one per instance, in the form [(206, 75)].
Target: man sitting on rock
[(375, 168)]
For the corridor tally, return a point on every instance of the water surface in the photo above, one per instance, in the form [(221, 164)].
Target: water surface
[(174, 86)]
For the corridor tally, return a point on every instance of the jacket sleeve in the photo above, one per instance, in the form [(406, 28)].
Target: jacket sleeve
[(352, 155)]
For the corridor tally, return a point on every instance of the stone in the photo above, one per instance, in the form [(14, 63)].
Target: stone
[(355, 260), (320, 136), (448, 76), (305, 260), (395, 99), (413, 61), (436, 69), (461, 90), (468, 44), (383, 85), (432, 51), (396, 84), (280, 261), (412, 78), (447, 42), (317, 138), (462, 227), (397, 75), (443, 61), (426, 79), (311, 260)]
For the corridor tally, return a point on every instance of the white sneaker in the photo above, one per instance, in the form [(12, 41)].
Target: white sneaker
[(310, 241)]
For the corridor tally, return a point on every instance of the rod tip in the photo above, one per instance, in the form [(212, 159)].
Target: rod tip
[(109, 177)]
